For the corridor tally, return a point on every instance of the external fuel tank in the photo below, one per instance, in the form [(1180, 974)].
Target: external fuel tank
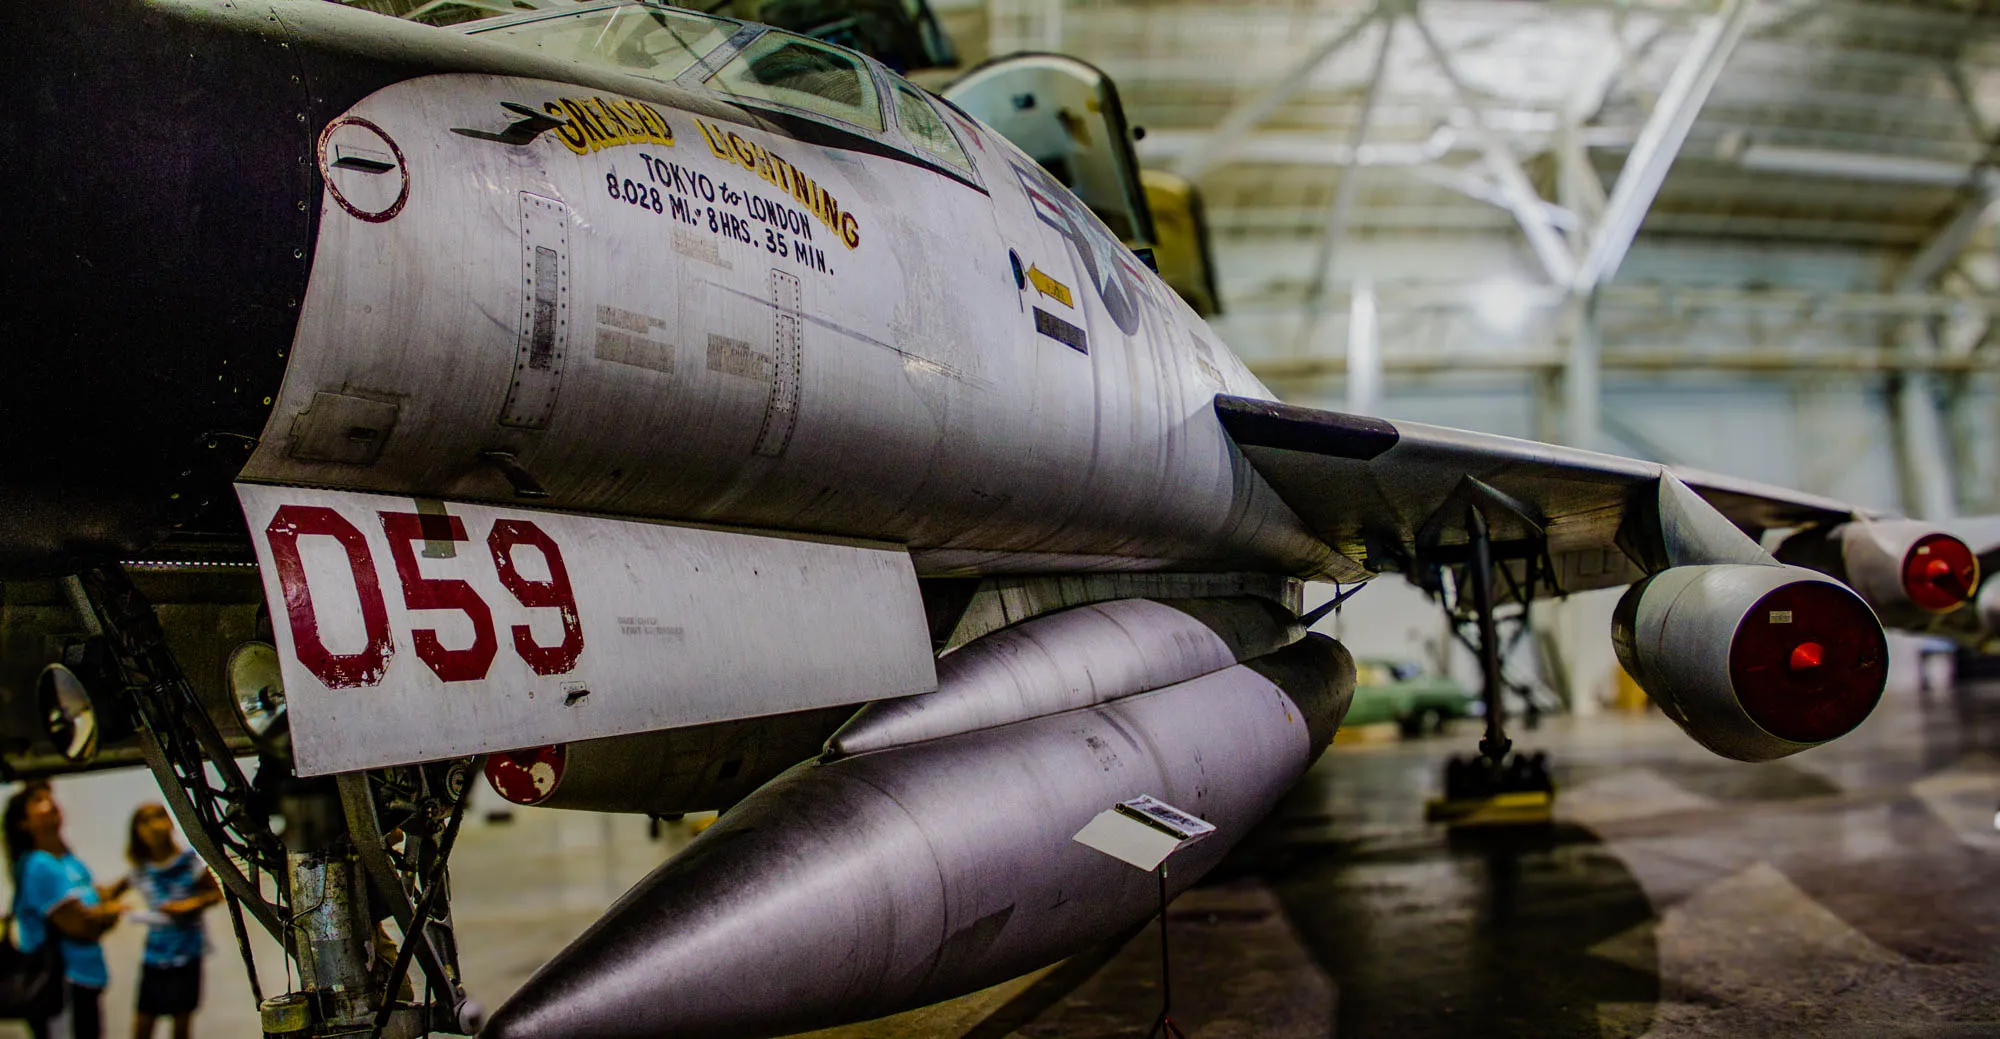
[(854, 888)]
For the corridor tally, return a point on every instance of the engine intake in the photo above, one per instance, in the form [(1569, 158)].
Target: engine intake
[(1754, 662), (1908, 571)]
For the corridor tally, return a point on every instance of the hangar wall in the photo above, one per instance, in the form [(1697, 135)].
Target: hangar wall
[(1829, 432)]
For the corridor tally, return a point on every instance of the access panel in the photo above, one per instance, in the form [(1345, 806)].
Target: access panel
[(413, 630)]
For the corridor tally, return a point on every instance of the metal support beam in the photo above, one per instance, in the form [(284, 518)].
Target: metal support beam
[(1578, 191), (1650, 360), (1450, 295), (1473, 186), (1522, 199), (1546, 385), (1299, 147), (1923, 449), (1579, 194), (1343, 197), (1246, 116), (1600, 73), (1974, 430), (1582, 377), (1968, 100), (1659, 143), (1937, 254), (1364, 353)]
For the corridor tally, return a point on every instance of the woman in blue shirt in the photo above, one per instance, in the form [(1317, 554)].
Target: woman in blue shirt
[(177, 887), (53, 890)]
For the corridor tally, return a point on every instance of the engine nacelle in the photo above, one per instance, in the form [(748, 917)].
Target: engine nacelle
[(1910, 572), (1983, 632), (1755, 662)]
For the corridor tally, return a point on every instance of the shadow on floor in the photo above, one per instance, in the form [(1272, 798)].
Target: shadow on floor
[(1529, 932)]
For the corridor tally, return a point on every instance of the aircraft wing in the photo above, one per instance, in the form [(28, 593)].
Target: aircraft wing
[(1757, 507), (1392, 496)]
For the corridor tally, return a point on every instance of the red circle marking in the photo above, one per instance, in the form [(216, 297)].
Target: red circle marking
[(325, 166), (527, 777)]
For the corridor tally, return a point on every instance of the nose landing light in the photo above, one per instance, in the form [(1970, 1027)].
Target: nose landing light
[(68, 716), (257, 688)]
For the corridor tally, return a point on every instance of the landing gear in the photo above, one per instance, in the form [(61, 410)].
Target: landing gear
[(347, 853), (1498, 785)]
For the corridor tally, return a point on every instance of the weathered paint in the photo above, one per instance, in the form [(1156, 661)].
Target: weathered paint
[(412, 631), (755, 329)]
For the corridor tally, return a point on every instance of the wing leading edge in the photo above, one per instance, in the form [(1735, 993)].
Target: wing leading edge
[(1392, 497)]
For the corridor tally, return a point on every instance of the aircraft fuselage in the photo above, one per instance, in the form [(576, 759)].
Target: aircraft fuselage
[(659, 304)]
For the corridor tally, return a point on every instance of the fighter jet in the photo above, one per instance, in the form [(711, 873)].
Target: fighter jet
[(660, 412)]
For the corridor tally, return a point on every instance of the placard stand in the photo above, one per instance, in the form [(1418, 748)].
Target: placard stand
[(1142, 833), (1163, 1026)]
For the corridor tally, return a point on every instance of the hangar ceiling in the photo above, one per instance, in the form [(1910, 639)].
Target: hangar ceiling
[(1846, 122)]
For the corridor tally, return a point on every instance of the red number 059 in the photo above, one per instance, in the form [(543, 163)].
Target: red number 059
[(467, 664)]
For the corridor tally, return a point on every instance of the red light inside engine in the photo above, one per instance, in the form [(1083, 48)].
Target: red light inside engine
[(526, 777), (1808, 655), (1809, 661), (1940, 573)]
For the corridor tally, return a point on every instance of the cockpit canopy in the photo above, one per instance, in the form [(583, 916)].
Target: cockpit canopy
[(657, 42), (768, 68)]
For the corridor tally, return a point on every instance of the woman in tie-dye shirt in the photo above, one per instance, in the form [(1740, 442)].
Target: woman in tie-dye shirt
[(177, 887)]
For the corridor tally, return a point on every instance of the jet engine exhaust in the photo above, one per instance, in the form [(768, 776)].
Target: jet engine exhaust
[(854, 888), (1908, 571), (1803, 659)]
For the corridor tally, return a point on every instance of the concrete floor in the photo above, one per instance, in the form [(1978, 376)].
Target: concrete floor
[(1850, 891)]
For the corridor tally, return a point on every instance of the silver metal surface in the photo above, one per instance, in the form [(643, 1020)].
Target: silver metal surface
[(961, 428), (331, 935), (1868, 557), (1988, 607), (1674, 635), (1608, 520), (848, 890), (1006, 600), (1077, 658), (697, 768), (503, 319), (494, 628)]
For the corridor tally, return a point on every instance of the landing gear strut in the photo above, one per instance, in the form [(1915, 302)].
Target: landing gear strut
[(1498, 785), (318, 883)]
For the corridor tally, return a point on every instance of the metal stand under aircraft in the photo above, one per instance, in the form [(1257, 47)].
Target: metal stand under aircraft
[(348, 854), (1498, 786), (1163, 1025)]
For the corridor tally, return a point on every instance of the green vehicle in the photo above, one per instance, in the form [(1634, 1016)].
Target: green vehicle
[(1401, 691)]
